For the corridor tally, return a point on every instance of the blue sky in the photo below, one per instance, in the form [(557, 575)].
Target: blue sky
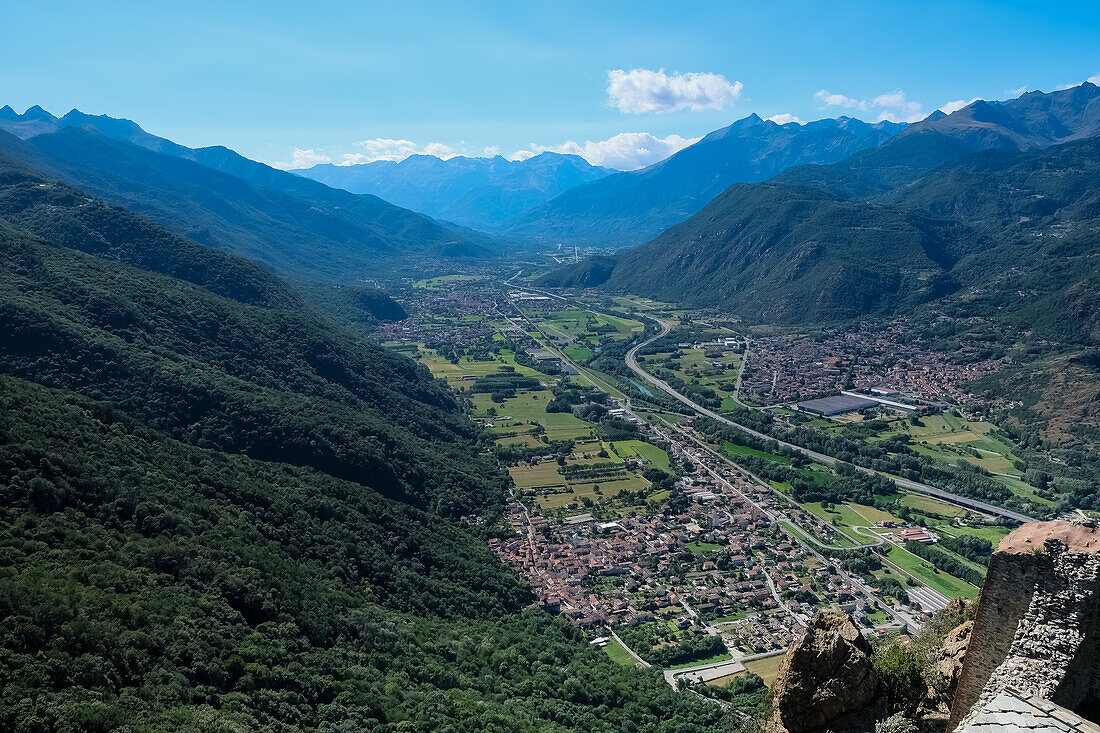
[(372, 79)]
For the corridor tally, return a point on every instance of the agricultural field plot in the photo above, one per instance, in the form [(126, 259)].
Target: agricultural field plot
[(438, 283), (933, 507), (522, 412), (733, 450), (717, 372), (991, 533), (578, 353), (923, 571), (586, 328), (872, 515), (949, 438), (651, 455), (766, 668), (441, 368)]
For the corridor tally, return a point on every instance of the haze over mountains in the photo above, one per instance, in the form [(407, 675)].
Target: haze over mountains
[(483, 193), (995, 202)]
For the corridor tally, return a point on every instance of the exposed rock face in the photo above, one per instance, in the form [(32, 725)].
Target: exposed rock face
[(1037, 628), (943, 679), (826, 681)]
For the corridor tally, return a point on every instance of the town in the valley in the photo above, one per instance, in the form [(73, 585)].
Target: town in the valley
[(694, 545)]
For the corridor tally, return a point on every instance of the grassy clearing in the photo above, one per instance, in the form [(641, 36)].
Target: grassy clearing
[(1018, 487), (872, 515), (618, 654), (697, 546)]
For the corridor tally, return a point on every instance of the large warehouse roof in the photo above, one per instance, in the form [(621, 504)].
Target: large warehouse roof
[(836, 405)]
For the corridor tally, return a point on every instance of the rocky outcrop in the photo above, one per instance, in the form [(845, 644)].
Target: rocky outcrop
[(942, 677), (826, 681), (1037, 628)]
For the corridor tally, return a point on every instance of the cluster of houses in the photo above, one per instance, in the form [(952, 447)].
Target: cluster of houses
[(787, 368), (721, 565)]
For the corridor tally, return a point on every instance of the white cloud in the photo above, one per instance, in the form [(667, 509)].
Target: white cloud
[(1013, 93), (957, 105), (641, 91), (892, 106), (1094, 79), (785, 118), (384, 148), (303, 159), (829, 99), (626, 151), (491, 151)]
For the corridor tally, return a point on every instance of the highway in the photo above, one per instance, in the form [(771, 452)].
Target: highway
[(914, 486)]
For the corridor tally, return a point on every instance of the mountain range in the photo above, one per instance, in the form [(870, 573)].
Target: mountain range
[(994, 205), (631, 207), (290, 224), (483, 193)]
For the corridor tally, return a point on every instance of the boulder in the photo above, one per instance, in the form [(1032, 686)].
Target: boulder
[(826, 681)]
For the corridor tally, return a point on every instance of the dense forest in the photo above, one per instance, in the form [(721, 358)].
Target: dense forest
[(222, 511)]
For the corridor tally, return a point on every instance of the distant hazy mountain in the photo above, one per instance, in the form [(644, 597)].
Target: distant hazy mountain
[(1013, 232), (475, 192), (1032, 121), (216, 197), (632, 207)]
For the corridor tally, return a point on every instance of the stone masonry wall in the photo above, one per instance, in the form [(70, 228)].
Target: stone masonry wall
[(1036, 627)]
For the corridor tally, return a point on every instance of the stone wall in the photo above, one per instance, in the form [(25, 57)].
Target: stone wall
[(1036, 627)]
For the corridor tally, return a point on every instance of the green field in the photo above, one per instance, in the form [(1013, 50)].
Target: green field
[(653, 455), (929, 505), (708, 660), (618, 654), (697, 546), (579, 326), (993, 534), (733, 450), (923, 571), (453, 373), (767, 667), (693, 365), (950, 438), (436, 283)]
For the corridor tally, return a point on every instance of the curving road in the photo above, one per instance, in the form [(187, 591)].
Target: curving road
[(914, 486)]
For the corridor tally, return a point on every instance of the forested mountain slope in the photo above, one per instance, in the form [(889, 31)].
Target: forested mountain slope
[(221, 512), (630, 208), (213, 196), (476, 192), (277, 383), (1009, 235), (781, 254)]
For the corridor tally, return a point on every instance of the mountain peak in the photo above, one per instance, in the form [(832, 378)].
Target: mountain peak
[(7, 113), (750, 121), (37, 113)]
